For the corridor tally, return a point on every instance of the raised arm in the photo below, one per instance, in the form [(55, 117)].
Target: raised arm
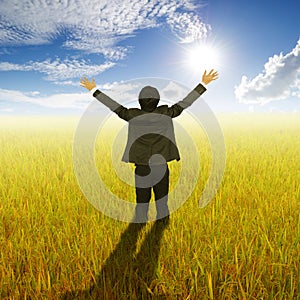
[(176, 109), (116, 107)]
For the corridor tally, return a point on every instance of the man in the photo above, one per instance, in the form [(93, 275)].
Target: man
[(151, 141)]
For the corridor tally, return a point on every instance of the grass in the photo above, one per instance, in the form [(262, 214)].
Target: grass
[(244, 245)]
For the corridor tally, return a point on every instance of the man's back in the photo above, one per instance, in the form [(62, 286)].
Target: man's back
[(150, 129), (150, 134)]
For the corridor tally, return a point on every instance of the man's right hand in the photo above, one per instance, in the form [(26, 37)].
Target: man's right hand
[(212, 75), (87, 84)]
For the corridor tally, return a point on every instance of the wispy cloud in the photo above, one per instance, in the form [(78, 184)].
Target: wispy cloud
[(67, 83), (95, 25), (279, 80), (56, 70), (122, 92), (125, 93), (75, 100), (187, 27)]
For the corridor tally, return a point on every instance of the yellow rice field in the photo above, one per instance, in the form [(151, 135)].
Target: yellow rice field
[(243, 245)]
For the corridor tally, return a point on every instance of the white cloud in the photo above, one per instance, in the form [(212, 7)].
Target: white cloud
[(278, 81), (296, 88), (126, 93), (173, 92), (57, 70), (95, 25), (7, 110), (33, 93), (67, 83), (188, 27), (120, 91), (75, 100)]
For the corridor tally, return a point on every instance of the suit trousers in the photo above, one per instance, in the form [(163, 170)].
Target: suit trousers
[(154, 177)]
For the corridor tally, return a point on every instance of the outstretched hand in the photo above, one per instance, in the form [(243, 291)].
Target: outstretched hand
[(212, 75), (87, 84)]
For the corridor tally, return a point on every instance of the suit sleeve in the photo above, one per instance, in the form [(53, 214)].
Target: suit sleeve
[(114, 106), (176, 109)]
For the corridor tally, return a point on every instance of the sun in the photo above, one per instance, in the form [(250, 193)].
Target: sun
[(203, 57)]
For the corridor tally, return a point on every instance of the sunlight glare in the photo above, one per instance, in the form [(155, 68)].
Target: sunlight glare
[(203, 57)]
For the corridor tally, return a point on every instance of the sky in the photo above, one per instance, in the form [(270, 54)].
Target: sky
[(47, 46)]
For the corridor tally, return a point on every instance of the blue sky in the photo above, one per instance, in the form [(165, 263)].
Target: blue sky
[(46, 46)]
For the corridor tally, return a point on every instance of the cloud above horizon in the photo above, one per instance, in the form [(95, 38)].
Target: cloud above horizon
[(96, 26), (56, 70), (126, 93), (71, 100), (119, 91), (278, 81)]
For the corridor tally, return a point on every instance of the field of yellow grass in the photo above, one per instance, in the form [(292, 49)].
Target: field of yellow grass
[(243, 245)]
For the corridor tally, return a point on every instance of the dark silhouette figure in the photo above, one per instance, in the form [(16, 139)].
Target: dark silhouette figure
[(125, 273), (151, 141), (150, 146)]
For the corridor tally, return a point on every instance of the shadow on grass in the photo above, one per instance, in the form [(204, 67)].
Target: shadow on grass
[(125, 273)]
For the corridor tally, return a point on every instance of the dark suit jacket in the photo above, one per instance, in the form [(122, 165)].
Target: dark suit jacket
[(150, 134)]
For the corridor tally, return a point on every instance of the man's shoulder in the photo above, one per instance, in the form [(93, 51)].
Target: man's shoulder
[(134, 109), (133, 112), (162, 108)]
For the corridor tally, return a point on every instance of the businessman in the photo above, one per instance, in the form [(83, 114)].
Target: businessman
[(151, 141)]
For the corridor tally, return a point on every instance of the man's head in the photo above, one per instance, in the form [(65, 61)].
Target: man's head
[(148, 98)]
